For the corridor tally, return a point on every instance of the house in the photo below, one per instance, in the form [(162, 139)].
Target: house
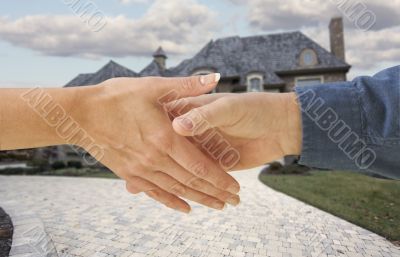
[(264, 63), (271, 63)]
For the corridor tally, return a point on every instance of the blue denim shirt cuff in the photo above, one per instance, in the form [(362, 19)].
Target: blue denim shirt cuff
[(329, 113)]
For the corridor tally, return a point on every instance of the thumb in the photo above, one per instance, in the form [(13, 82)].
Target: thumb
[(199, 120), (180, 87)]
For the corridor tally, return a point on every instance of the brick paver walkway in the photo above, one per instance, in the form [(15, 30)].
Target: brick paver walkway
[(57, 216)]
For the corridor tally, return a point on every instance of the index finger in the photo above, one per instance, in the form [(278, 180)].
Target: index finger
[(169, 89), (193, 160)]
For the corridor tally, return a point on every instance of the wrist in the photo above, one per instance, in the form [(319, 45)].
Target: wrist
[(66, 116), (85, 101), (292, 136)]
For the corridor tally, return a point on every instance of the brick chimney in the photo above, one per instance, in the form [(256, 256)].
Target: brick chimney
[(160, 58), (337, 38)]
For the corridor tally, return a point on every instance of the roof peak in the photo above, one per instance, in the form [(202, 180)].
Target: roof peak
[(112, 62), (160, 53)]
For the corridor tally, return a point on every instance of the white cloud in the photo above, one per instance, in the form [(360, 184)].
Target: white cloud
[(134, 1), (289, 14), (365, 50), (177, 25)]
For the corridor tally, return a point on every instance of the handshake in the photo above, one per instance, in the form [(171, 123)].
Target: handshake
[(167, 138)]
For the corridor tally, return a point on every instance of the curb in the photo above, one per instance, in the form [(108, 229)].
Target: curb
[(30, 238)]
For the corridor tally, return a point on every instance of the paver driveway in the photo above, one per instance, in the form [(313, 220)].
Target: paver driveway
[(57, 216)]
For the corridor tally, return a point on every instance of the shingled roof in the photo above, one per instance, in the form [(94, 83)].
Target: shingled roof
[(108, 71), (153, 69), (80, 80), (268, 54), (234, 57)]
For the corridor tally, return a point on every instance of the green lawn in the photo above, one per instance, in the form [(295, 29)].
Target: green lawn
[(371, 203)]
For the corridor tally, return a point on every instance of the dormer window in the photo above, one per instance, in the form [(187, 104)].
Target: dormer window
[(255, 83), (308, 57)]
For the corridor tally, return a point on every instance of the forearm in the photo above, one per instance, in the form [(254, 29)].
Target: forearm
[(29, 117), (353, 125)]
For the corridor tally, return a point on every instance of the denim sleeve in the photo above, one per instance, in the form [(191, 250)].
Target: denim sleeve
[(353, 125)]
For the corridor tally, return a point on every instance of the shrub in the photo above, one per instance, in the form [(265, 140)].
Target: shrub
[(58, 165), (275, 166), (74, 164), (278, 168), (20, 171), (39, 163), (295, 169)]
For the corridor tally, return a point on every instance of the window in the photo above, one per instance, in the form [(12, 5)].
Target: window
[(308, 57), (308, 81), (255, 83)]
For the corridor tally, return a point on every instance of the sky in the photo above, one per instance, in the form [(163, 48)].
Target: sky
[(48, 42)]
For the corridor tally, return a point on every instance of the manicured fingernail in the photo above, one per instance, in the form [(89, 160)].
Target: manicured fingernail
[(186, 123), (210, 78), (233, 200), (218, 205), (234, 189), (217, 77)]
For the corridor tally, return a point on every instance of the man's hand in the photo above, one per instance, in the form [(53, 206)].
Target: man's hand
[(125, 118), (262, 126)]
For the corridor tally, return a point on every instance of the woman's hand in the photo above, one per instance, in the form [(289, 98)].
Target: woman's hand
[(262, 126), (126, 120)]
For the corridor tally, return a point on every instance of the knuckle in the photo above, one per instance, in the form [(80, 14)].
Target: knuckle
[(156, 174), (170, 204), (164, 142), (195, 183), (149, 159), (153, 193), (201, 113), (199, 169), (222, 183), (223, 195), (178, 189), (132, 171), (207, 200), (187, 84), (132, 180)]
